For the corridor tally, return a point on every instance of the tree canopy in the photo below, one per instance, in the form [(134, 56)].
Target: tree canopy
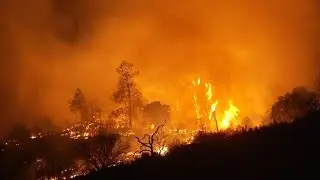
[(295, 104), (127, 93), (156, 113)]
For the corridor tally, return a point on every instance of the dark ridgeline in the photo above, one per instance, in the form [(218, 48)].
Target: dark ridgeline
[(277, 151)]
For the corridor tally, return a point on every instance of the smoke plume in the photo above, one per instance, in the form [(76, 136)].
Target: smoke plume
[(252, 51)]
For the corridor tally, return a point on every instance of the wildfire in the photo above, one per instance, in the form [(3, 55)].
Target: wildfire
[(197, 107), (229, 115), (206, 111), (163, 150), (205, 106)]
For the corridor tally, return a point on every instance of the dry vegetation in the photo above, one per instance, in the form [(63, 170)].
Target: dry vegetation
[(132, 137), (270, 152)]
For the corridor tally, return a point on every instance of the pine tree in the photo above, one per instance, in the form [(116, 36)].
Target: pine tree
[(79, 105), (127, 92)]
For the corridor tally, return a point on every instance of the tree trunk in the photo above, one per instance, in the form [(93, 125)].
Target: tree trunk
[(129, 106), (215, 119)]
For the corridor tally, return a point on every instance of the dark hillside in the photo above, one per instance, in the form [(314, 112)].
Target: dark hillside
[(280, 150)]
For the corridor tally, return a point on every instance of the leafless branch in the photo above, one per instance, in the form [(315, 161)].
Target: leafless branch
[(152, 141)]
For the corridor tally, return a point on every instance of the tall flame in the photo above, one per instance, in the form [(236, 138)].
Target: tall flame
[(209, 91), (208, 110), (229, 115), (197, 107)]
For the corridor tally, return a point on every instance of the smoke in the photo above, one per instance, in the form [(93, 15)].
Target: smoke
[(252, 51)]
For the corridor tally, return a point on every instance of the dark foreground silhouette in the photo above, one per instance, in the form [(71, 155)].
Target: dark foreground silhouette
[(277, 151)]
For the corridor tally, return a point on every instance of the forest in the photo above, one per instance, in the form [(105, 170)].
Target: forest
[(143, 140), (161, 89)]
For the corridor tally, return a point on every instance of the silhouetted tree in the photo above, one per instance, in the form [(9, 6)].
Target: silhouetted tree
[(155, 112), (127, 93), (89, 110), (79, 105), (293, 105), (149, 144), (103, 150)]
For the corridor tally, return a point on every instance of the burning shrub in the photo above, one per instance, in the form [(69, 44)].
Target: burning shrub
[(103, 150), (153, 144)]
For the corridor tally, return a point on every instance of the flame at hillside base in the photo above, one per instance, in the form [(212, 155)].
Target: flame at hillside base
[(205, 103), (205, 106)]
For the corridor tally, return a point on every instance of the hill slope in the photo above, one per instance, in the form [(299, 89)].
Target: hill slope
[(282, 150)]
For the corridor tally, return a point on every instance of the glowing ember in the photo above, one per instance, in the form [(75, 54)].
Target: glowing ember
[(163, 150)]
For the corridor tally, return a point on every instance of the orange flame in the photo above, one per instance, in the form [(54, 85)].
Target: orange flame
[(230, 114)]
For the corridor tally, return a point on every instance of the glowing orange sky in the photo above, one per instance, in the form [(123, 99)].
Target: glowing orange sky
[(252, 51)]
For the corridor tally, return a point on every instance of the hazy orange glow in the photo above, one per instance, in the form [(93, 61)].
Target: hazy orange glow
[(213, 61), (251, 51)]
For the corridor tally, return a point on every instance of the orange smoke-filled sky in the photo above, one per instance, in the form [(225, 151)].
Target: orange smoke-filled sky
[(252, 51)]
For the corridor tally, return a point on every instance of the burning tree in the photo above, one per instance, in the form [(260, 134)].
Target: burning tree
[(90, 112), (205, 116), (117, 118), (153, 144), (206, 106), (127, 92), (103, 150)]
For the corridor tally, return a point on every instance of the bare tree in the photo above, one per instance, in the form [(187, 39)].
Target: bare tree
[(151, 143), (127, 92), (103, 150)]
